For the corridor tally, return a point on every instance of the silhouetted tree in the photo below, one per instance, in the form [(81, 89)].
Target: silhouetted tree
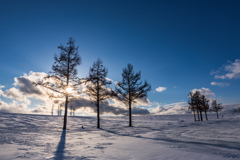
[(216, 107), (63, 77), (52, 109), (58, 111), (195, 103), (74, 111), (131, 88), (205, 105), (70, 111), (198, 103), (192, 105), (96, 86)]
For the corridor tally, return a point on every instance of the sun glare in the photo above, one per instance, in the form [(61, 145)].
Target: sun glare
[(69, 90)]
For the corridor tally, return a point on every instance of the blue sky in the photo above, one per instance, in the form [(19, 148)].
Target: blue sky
[(175, 44)]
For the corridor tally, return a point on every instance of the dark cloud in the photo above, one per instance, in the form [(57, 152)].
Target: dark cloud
[(27, 87), (40, 110), (56, 101), (105, 107), (5, 110), (14, 93), (140, 111)]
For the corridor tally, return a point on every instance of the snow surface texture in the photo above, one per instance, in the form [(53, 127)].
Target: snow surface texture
[(35, 137)]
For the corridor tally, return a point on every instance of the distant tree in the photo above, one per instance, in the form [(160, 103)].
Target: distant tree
[(62, 80), (52, 109), (131, 88), (216, 107), (74, 111), (236, 110), (59, 110), (205, 105), (197, 104), (71, 110), (96, 86)]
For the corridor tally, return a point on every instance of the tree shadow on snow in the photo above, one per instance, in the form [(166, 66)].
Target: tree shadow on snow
[(230, 145), (59, 154)]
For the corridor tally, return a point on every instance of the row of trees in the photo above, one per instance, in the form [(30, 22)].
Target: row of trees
[(127, 90), (62, 82), (199, 104), (59, 110)]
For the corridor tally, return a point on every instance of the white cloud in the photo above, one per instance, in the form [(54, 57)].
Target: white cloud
[(170, 109), (143, 102), (221, 84), (109, 79), (21, 95), (205, 91), (161, 89), (13, 107), (16, 94), (230, 71), (1, 87)]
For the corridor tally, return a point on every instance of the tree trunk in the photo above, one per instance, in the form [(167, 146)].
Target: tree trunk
[(52, 110), (201, 115), (66, 103), (194, 115), (98, 115), (65, 115), (217, 115), (130, 114), (198, 115), (206, 115)]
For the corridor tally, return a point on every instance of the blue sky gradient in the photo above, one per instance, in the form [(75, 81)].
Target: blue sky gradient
[(175, 44)]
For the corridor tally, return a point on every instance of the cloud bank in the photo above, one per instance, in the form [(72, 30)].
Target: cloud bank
[(22, 97), (23, 93)]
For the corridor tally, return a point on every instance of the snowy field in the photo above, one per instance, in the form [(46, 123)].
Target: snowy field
[(37, 137)]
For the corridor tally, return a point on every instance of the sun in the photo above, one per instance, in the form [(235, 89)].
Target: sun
[(69, 90)]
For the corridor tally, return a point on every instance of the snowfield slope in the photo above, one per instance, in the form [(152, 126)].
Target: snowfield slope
[(38, 137)]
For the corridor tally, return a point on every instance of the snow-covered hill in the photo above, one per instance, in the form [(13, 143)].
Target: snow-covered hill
[(37, 137)]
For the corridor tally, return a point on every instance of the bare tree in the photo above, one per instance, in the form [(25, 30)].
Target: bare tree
[(216, 107), (131, 88), (96, 85), (63, 80)]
